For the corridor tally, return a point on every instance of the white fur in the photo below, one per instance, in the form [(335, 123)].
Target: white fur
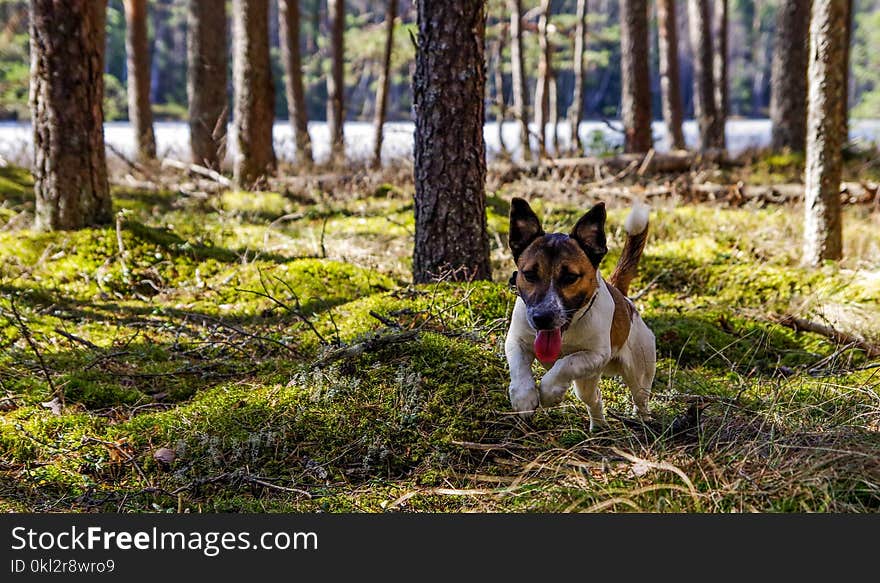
[(586, 356), (637, 221)]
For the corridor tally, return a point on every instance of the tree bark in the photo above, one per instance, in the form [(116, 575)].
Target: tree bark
[(384, 81), (137, 51), (847, 46), (635, 108), (704, 85), (545, 71), (517, 77), (66, 95), (788, 89), (719, 69), (289, 19), (451, 237), (759, 57), (554, 116), (206, 82), (315, 24), (336, 79), (254, 93), (577, 100), (823, 239), (670, 78), (500, 103)]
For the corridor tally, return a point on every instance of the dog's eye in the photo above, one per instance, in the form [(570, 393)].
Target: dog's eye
[(531, 276), (568, 278)]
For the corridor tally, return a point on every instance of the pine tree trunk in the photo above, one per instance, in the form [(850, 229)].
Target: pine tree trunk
[(500, 103), (823, 238), (577, 100), (554, 115), (704, 85), (542, 87), (760, 55), (254, 94), (518, 79), (451, 237), (719, 70), (847, 47), (206, 82), (66, 95), (670, 79), (336, 79), (788, 89), (168, 69), (288, 20), (314, 25), (137, 51), (635, 107), (384, 81)]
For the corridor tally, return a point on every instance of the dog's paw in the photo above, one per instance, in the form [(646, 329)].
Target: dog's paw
[(552, 393), (598, 425), (524, 398), (640, 400), (552, 389), (642, 413)]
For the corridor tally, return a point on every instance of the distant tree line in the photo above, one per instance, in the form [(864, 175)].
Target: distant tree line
[(450, 94), (752, 34)]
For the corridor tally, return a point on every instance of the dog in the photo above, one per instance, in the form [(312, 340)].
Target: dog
[(577, 324)]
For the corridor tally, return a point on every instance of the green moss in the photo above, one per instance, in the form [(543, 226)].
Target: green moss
[(15, 182), (210, 335)]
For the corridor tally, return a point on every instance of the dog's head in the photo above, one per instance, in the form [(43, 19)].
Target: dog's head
[(556, 273)]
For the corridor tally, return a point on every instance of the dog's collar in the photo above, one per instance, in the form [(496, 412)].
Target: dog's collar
[(589, 304)]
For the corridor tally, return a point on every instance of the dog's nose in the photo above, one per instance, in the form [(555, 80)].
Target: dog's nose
[(543, 320)]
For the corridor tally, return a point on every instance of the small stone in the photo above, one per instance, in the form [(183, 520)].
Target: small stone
[(165, 456)]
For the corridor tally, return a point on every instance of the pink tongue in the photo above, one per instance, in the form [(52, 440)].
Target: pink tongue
[(548, 344)]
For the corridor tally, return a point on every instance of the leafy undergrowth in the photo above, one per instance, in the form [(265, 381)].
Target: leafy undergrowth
[(255, 352)]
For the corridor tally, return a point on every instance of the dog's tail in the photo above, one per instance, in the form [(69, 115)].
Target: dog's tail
[(636, 227)]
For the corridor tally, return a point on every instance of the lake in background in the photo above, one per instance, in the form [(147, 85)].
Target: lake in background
[(173, 138)]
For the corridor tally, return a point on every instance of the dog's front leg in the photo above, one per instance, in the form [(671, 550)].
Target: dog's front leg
[(558, 379), (523, 392)]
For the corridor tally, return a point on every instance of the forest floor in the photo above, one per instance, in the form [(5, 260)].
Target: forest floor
[(267, 352)]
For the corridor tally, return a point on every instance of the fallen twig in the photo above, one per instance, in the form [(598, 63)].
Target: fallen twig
[(255, 480), (368, 345), (384, 320), (636, 297), (26, 333), (128, 161), (200, 170), (119, 243), (797, 324), (77, 339)]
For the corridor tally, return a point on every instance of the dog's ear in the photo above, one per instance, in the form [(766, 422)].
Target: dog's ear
[(589, 232), (524, 226)]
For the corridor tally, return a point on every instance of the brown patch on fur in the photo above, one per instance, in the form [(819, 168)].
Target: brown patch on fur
[(553, 258), (628, 264), (622, 320)]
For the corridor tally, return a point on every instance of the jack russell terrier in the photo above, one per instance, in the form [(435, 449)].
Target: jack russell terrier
[(568, 317)]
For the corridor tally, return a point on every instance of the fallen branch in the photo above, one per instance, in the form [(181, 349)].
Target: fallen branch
[(798, 324), (658, 162), (25, 331), (636, 297), (488, 446), (78, 340), (255, 480), (850, 192), (128, 161), (200, 170), (448, 492), (368, 345)]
